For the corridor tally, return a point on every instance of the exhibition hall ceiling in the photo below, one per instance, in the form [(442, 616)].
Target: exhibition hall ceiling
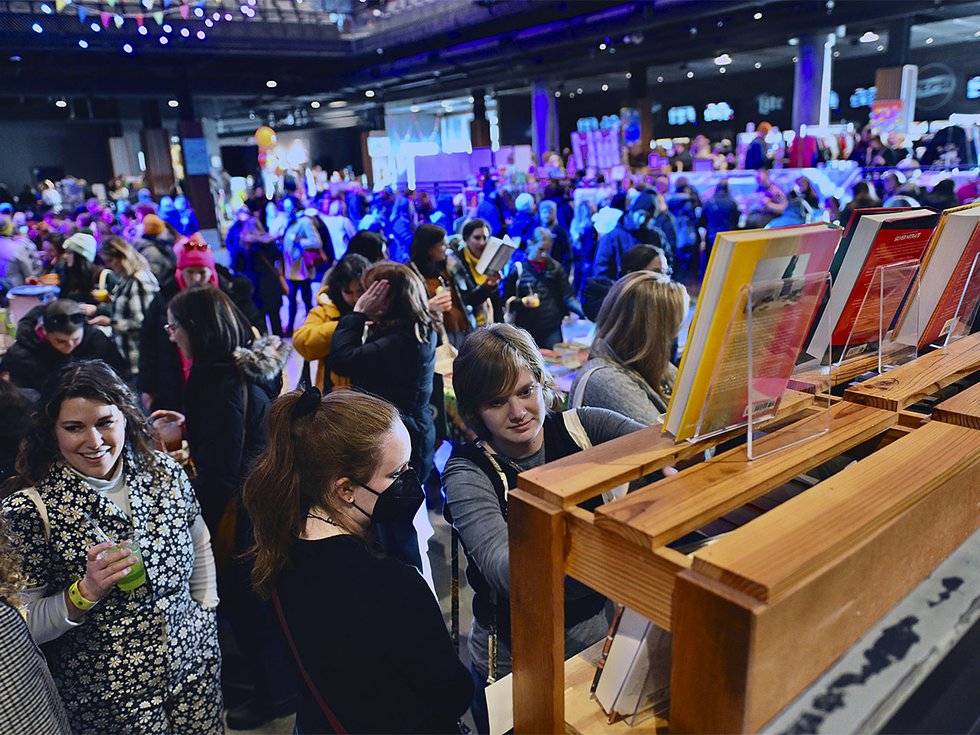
[(238, 55)]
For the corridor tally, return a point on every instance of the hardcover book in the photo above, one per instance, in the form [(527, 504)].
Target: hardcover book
[(877, 238), (949, 279), (721, 336)]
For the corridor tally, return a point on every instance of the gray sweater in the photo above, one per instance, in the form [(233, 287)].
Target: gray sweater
[(607, 384), (483, 531)]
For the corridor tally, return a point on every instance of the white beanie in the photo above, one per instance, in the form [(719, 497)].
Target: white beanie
[(524, 202), (83, 244)]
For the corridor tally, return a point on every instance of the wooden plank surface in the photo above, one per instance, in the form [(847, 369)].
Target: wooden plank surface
[(583, 714), (962, 409), (842, 373), (776, 552), (750, 658), (641, 579), (583, 475), (665, 511), (913, 381), (537, 607)]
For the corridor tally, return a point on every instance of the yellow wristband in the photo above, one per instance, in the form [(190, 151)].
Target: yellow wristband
[(75, 595)]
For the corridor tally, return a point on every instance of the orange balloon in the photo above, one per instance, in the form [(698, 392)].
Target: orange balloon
[(265, 137)]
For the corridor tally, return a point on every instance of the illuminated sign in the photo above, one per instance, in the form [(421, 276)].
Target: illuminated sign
[(973, 88), (862, 97), (718, 112), (589, 124), (768, 103), (682, 115), (935, 87)]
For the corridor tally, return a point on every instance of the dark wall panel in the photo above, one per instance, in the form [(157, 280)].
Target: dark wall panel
[(80, 148)]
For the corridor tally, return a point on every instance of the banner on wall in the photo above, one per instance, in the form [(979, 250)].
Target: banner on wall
[(887, 116), (598, 149)]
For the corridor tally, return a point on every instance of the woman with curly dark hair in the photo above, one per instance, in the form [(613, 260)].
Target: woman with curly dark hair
[(118, 570)]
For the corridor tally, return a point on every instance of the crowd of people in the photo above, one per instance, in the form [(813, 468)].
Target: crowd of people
[(160, 478)]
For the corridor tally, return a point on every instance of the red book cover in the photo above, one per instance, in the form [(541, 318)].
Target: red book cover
[(895, 242), (941, 321)]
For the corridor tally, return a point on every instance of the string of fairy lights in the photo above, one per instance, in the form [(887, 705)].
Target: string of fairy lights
[(163, 21)]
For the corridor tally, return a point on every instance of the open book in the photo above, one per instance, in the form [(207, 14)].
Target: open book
[(496, 255)]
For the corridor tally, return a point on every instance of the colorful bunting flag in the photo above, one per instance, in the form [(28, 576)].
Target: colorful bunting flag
[(185, 12), (158, 17), (105, 18), (82, 14), (119, 21), (111, 3), (139, 19), (59, 5)]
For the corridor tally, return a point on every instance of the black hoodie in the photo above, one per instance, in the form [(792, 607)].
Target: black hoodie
[(32, 362)]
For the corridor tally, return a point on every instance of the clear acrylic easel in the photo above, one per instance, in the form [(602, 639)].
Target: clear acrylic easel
[(757, 364), (873, 325), (966, 309)]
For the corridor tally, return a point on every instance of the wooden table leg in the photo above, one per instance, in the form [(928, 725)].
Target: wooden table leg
[(537, 611)]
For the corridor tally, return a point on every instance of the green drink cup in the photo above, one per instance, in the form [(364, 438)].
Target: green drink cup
[(137, 573)]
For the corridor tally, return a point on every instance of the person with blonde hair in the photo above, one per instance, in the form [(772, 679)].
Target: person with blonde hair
[(387, 346), (130, 298), (629, 369), (366, 632), (506, 396)]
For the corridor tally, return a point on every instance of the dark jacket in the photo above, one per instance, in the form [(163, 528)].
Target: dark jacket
[(522, 226), (475, 296), (160, 373), (614, 244), (32, 362), (394, 365), (720, 214), (555, 295), (226, 406), (159, 253)]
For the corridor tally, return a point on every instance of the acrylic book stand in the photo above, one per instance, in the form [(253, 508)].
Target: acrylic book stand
[(758, 362)]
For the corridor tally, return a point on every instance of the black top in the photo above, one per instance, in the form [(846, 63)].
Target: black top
[(160, 372), (394, 365), (372, 638), (224, 435), (33, 363)]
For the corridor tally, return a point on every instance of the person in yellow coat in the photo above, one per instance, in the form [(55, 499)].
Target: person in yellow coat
[(341, 290)]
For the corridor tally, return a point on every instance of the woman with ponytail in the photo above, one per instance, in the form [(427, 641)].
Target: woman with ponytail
[(366, 632)]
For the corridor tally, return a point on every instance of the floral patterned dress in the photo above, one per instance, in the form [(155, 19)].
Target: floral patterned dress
[(145, 661)]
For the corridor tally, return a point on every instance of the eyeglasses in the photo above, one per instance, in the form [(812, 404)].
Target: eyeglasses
[(171, 328), (59, 321)]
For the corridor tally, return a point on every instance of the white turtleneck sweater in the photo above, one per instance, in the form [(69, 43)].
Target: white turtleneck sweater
[(48, 616)]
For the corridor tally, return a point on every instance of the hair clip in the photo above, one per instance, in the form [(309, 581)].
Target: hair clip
[(307, 403)]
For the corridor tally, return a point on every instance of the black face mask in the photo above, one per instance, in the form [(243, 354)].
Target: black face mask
[(399, 502)]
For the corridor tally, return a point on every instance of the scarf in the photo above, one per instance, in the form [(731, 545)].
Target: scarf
[(471, 261)]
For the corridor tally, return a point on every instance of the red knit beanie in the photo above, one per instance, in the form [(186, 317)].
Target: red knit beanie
[(193, 252)]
